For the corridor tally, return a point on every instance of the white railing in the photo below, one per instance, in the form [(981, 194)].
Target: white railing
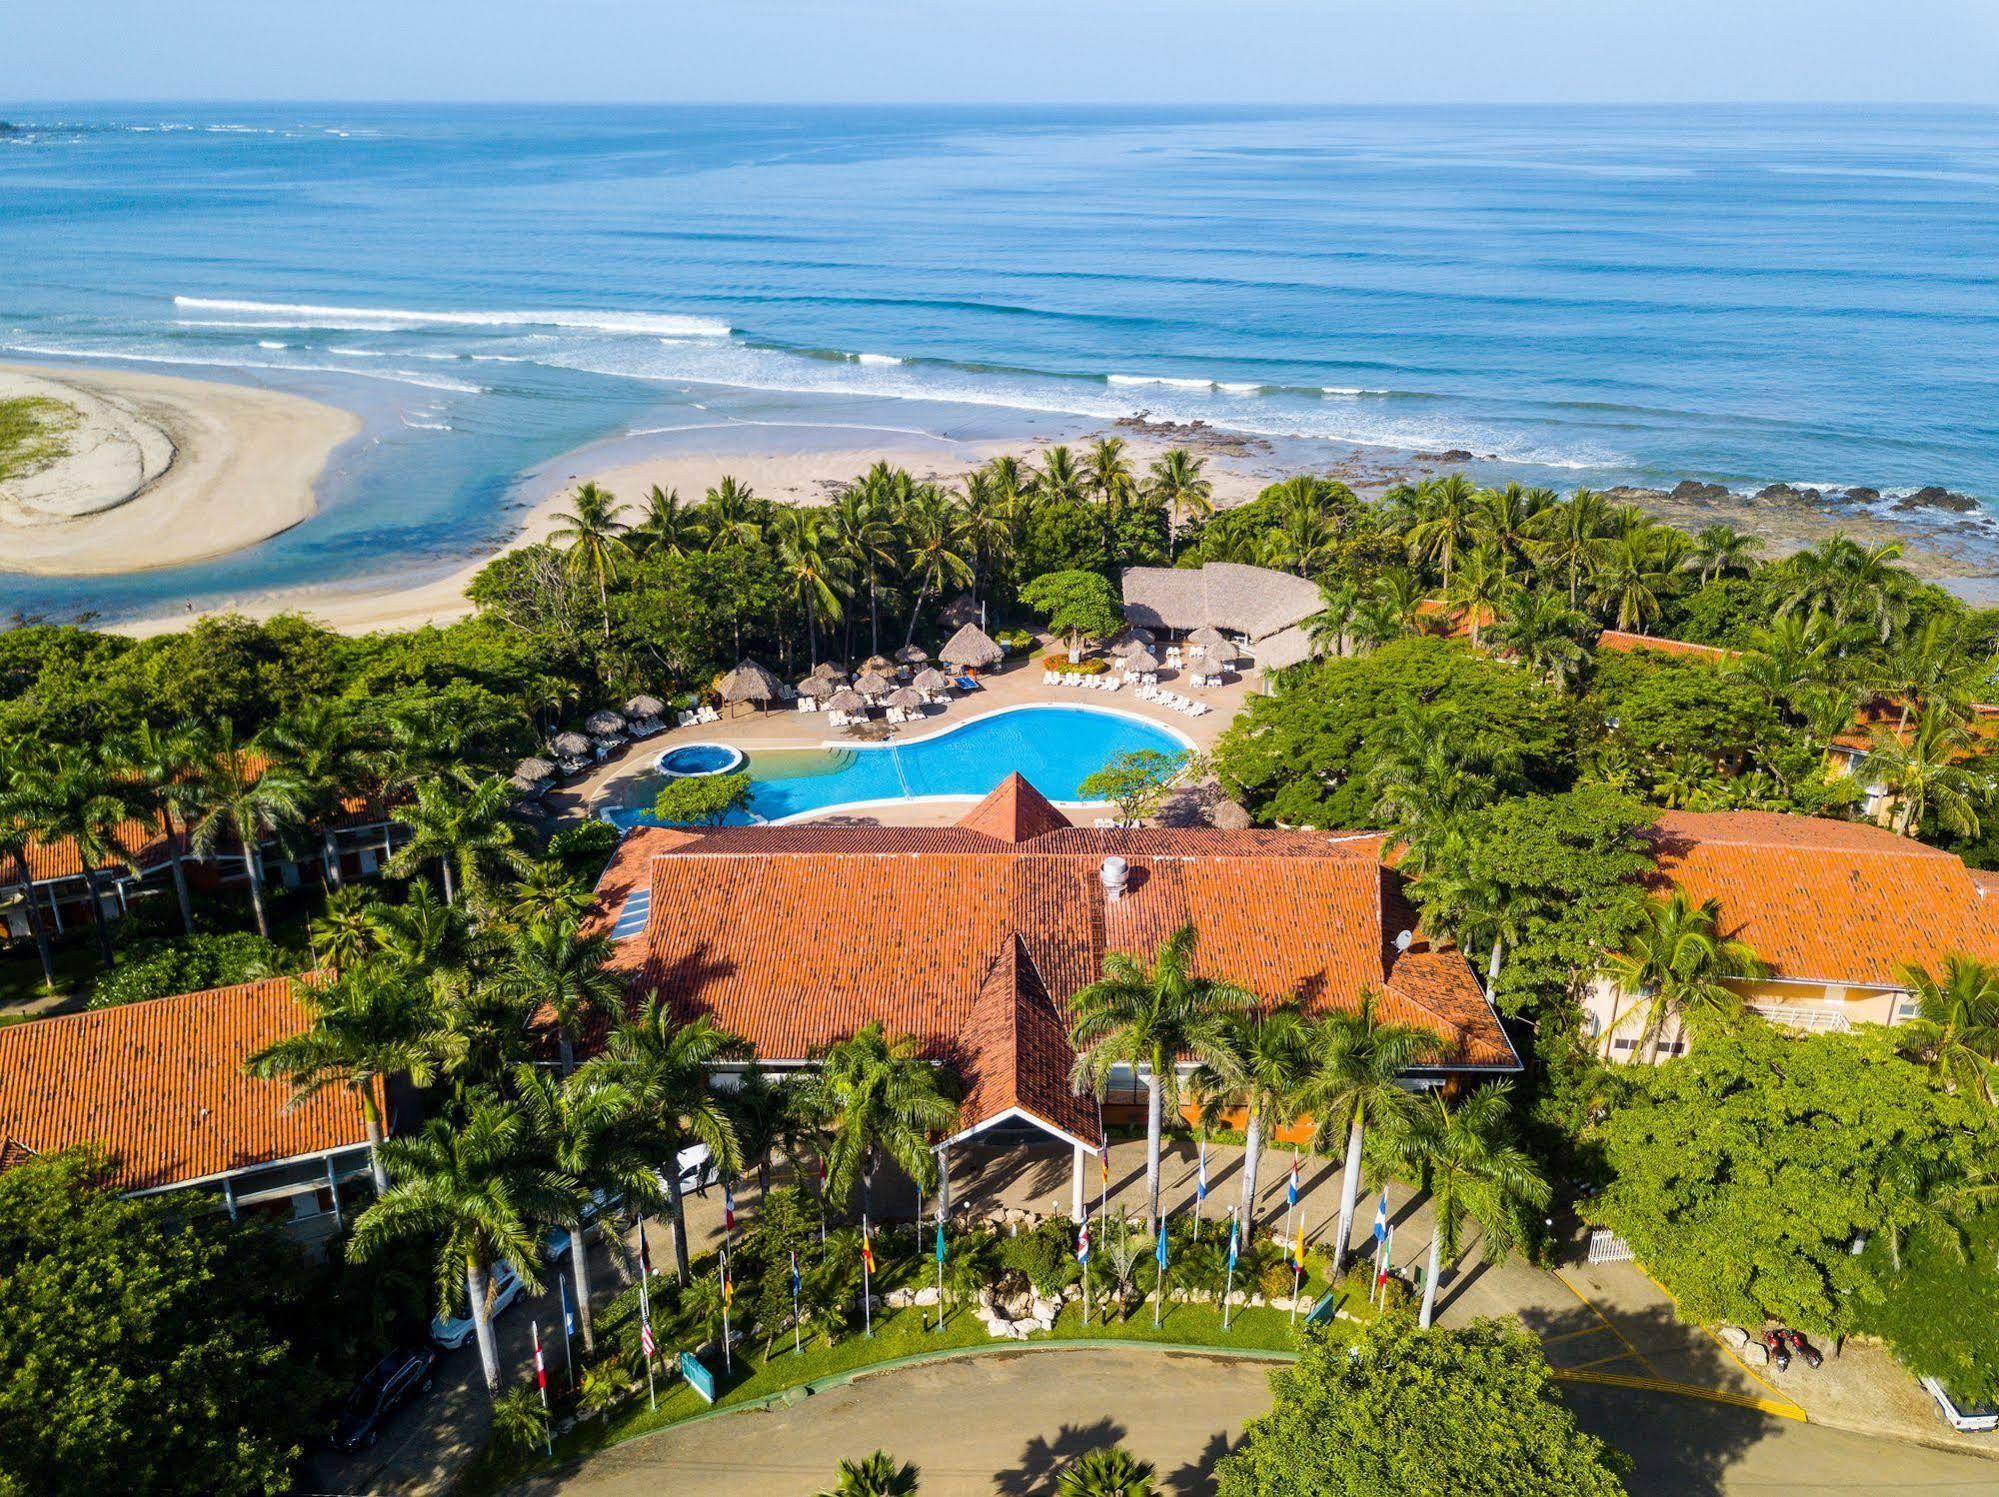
[(1608, 1247), (1805, 1020)]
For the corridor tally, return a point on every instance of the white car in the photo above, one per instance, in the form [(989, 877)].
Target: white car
[(453, 1331), (1975, 1418), (697, 1169)]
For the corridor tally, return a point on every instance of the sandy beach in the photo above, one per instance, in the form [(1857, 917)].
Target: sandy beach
[(161, 471), (1238, 468)]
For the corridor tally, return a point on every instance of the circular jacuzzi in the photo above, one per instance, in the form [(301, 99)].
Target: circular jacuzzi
[(692, 759)]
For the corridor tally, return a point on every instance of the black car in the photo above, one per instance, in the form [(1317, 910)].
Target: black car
[(390, 1383)]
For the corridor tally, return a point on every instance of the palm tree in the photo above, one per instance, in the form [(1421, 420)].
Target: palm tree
[(1933, 667), (368, 1024), (1143, 1017), (934, 534), (1270, 1055), (807, 553), (663, 1069), (236, 801), (1539, 630), (1447, 525), (163, 767), (1924, 773), (1844, 580), (317, 748), (1956, 1029), (727, 515), (587, 1129), (1331, 630), (481, 1188), (864, 536), (593, 534), (1480, 589), (1574, 537), (1059, 481), (987, 515), (875, 1096), (1468, 1163), (547, 891), (1355, 1078), (552, 967), (1110, 478), (877, 1475), (1631, 579), (15, 839), (1107, 1471), (460, 824), (668, 528), (68, 793), (1176, 482), (1680, 965), (1721, 549), (343, 935), (1507, 517), (1303, 538)]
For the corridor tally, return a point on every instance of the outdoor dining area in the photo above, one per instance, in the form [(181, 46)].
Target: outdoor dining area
[(1137, 660), (903, 688)]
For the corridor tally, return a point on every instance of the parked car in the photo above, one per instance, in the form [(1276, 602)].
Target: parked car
[(387, 1386), (555, 1246), (1972, 1418), (453, 1331), (697, 1169)]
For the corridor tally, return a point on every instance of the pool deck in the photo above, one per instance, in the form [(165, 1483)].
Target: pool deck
[(1019, 684)]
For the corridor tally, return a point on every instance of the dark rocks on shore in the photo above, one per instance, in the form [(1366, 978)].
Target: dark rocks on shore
[(1784, 493), (1935, 497), (1861, 496), (1449, 455)]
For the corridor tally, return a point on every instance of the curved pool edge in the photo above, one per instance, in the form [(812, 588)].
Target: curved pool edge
[(978, 717)]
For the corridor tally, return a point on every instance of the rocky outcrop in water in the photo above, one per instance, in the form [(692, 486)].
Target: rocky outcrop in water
[(1935, 497)]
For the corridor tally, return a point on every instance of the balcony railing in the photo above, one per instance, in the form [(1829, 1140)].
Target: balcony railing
[(1805, 1020)]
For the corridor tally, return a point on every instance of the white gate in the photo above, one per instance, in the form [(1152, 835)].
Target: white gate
[(1608, 1247)]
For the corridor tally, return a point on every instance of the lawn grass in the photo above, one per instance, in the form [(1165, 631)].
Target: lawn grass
[(898, 1334)]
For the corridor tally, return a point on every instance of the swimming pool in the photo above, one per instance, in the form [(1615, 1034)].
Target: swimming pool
[(1054, 747)]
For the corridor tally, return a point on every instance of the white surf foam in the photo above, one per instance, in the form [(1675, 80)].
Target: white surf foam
[(129, 356), (876, 358), (600, 322), (1171, 382), (268, 343)]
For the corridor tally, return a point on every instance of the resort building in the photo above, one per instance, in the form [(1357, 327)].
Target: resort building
[(973, 938), (160, 1087), (1835, 909), (1263, 609)]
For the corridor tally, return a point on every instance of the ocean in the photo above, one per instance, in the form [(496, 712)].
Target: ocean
[(1577, 295)]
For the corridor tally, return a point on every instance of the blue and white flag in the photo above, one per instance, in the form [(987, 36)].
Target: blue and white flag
[(1381, 1217), (568, 1319), (1233, 1242), (1201, 1186), (795, 1286), (1159, 1253)]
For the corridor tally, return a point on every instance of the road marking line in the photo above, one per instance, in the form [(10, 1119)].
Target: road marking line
[(1608, 1323), (1599, 1362), (1727, 1350), (1588, 1330), (1779, 1410)]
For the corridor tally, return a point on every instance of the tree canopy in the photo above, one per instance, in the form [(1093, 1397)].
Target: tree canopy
[(1464, 1411)]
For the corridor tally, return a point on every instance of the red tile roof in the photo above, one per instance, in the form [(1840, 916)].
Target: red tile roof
[(1014, 812), (1016, 1053), (160, 1086), (1827, 901), (796, 936), (1626, 644)]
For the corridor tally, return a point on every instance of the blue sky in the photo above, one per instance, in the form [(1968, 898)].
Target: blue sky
[(1111, 51)]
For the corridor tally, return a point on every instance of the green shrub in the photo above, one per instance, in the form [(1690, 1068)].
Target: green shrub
[(1045, 1256), (1089, 665), (160, 968), (583, 848)]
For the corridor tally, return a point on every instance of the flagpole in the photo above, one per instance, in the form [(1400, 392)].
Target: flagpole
[(568, 1336), (1159, 1276), (728, 1359), (867, 1294), (645, 1315), (797, 1349), (541, 1377), (1201, 1190), (1297, 1274), (1290, 1195), (940, 1264), (1228, 1293)]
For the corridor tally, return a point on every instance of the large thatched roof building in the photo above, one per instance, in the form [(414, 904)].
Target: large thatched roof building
[(1263, 608)]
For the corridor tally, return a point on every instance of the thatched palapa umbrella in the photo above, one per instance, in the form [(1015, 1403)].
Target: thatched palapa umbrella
[(642, 706), (960, 610), (1141, 659), (570, 745), (826, 670), (905, 696), (1134, 637), (930, 679), (1209, 638), (604, 724), (874, 683), (749, 682), (846, 699), (913, 655), (972, 648), (816, 686), (880, 664)]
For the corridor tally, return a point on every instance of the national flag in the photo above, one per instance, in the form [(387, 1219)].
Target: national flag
[(1201, 1185), (867, 1248), (728, 1283), (1291, 1190), (822, 1174), (645, 1336), (1083, 1242), (1159, 1252), (1381, 1217), (540, 1372), (1298, 1249), (568, 1317), (645, 1253), (940, 1239), (795, 1285), (1234, 1239), (1104, 1165), (728, 1210), (1387, 1252)]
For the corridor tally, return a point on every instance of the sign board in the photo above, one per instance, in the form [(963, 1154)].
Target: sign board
[(1322, 1312), (699, 1378)]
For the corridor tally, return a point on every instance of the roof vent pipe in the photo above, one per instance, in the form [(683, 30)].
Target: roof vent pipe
[(1404, 939), (1115, 876)]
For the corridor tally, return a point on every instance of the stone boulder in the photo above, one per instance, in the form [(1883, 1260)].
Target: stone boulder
[(1934, 497)]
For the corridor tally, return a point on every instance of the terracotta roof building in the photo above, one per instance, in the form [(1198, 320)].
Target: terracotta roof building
[(160, 1087), (973, 938), (1835, 909)]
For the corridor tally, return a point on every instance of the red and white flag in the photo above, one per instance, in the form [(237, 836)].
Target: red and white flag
[(728, 1209), (645, 1336), (540, 1372)]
